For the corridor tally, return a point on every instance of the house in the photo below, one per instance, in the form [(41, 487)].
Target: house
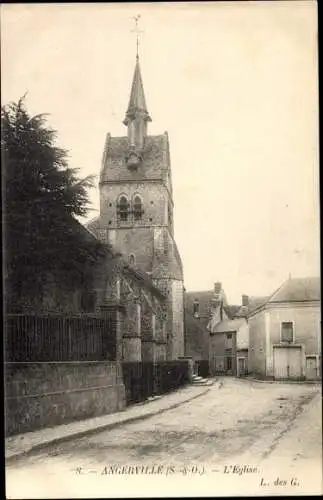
[(228, 347), (285, 332), (203, 310)]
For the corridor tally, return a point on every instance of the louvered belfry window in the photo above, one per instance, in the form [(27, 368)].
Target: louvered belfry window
[(123, 208), (137, 208)]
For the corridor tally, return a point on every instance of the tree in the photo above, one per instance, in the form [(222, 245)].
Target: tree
[(41, 197)]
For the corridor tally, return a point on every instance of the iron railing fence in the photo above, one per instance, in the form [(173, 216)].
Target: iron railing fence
[(61, 337), (145, 379), (222, 365)]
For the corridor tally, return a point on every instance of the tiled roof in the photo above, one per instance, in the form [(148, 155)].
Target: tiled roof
[(232, 325), (144, 278), (153, 167), (255, 302), (232, 310), (298, 290), (204, 298)]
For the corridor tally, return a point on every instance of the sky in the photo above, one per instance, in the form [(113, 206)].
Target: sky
[(234, 84)]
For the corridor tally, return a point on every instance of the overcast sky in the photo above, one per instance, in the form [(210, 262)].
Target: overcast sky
[(235, 86)]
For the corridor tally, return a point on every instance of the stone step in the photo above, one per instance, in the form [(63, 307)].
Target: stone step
[(203, 382)]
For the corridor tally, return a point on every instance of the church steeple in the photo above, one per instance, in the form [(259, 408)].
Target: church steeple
[(137, 114)]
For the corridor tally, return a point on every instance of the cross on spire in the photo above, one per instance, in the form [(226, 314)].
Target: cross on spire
[(137, 31)]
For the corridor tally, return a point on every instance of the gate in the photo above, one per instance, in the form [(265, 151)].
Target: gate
[(242, 367)]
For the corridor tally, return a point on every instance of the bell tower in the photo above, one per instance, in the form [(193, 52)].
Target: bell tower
[(137, 207)]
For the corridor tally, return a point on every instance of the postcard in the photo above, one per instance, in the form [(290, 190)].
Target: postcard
[(161, 249)]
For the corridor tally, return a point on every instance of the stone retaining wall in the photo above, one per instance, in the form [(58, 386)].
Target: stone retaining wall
[(41, 395)]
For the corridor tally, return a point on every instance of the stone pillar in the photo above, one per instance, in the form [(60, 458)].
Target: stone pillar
[(148, 348), (131, 349), (132, 335), (113, 314), (148, 342), (190, 362)]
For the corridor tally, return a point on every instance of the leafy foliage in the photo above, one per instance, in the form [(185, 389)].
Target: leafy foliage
[(41, 197)]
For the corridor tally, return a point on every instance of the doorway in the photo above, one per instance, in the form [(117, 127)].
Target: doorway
[(287, 362), (311, 367)]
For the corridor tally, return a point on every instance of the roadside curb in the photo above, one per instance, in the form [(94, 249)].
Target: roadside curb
[(299, 382), (95, 430)]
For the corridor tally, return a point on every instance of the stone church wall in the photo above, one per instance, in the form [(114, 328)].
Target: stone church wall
[(178, 326), (153, 196), (137, 242)]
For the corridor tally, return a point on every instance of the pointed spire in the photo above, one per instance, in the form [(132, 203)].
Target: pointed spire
[(137, 103)]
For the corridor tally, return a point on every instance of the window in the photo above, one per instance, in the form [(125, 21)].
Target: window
[(196, 308), (228, 359), (229, 335), (123, 208), (137, 208), (287, 331), (132, 259)]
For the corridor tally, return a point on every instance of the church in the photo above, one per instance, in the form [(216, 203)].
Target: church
[(137, 209)]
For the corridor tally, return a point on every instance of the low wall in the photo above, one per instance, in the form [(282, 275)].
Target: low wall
[(40, 395), (145, 379)]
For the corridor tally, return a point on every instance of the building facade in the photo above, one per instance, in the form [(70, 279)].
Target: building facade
[(285, 332), (228, 348), (137, 209), (213, 336), (200, 308)]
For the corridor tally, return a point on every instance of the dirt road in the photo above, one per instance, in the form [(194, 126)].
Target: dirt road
[(241, 438)]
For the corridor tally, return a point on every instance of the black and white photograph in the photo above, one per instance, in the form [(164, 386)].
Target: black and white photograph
[(161, 249)]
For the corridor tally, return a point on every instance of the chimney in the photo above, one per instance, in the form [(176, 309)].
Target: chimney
[(245, 300), (217, 287)]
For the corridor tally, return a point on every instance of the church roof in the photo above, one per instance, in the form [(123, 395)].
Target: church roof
[(167, 264), (143, 278), (137, 101), (154, 165), (93, 224)]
